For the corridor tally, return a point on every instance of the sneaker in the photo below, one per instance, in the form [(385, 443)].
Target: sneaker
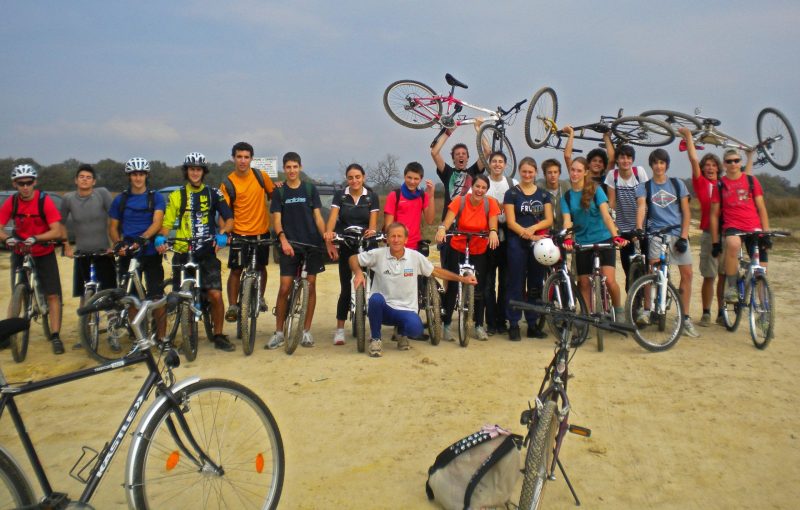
[(732, 294), (535, 333), (513, 333), (308, 340), (222, 343), (375, 348), (113, 342), (338, 337), (402, 343), (720, 320), (232, 313), (705, 320), (447, 334), (58, 345), (688, 328), (276, 341), (481, 334), (262, 305), (491, 331), (642, 317)]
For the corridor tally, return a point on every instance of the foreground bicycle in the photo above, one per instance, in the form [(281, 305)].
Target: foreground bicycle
[(547, 420), (415, 105), (201, 444)]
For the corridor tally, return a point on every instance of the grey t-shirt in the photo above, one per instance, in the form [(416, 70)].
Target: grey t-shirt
[(396, 279), (89, 218)]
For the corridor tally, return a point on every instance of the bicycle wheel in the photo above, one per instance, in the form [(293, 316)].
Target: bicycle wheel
[(295, 317), (539, 458), (234, 428), (20, 301), (44, 313), (15, 490), (597, 309), (540, 121), (106, 335), (762, 313), (433, 310), (466, 311), (412, 104), (253, 310), (662, 331), (732, 312), (360, 319), (555, 293), (495, 140), (208, 318), (777, 139), (644, 131), (675, 120), (188, 331), (245, 316)]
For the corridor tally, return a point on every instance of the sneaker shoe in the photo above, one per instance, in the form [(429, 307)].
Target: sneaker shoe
[(705, 320), (58, 345), (447, 334), (308, 340), (262, 305), (535, 333), (732, 294), (222, 343), (720, 320), (113, 342), (513, 333), (688, 328), (481, 334), (276, 341), (402, 343), (232, 313), (375, 348), (642, 317), (491, 331), (338, 337)]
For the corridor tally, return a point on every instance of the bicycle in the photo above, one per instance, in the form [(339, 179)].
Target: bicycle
[(465, 300), (429, 296), (599, 299), (91, 285), (200, 443), (249, 292), (547, 420), (777, 142), (541, 129), (415, 105), (297, 301), (654, 304), (560, 290), (354, 238), (754, 293), (27, 299)]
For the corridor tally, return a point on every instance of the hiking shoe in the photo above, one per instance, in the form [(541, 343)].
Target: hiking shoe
[(276, 341), (447, 335), (402, 343), (58, 345), (308, 340), (232, 313), (732, 294), (688, 328), (534, 332), (642, 317), (480, 333), (375, 348), (338, 337), (513, 333), (262, 305), (222, 343), (705, 320)]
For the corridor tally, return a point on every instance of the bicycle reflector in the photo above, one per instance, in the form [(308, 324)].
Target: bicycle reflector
[(580, 431), (259, 463), (172, 460)]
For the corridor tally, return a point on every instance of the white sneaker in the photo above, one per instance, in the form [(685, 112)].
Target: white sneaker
[(308, 340), (447, 334), (705, 320), (642, 317), (338, 337), (276, 341), (732, 294), (375, 350), (688, 328), (480, 333)]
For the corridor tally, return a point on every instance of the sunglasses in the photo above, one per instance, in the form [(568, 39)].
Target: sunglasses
[(23, 184), (732, 161)]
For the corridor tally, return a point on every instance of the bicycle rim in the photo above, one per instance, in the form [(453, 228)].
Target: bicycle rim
[(540, 121), (245, 314), (494, 140), (252, 311), (777, 139), (539, 458), (410, 103), (15, 489), (293, 325), (650, 335), (762, 313), (188, 331), (433, 311), (644, 131)]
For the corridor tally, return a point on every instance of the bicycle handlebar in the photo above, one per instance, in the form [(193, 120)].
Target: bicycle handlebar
[(105, 304), (454, 233), (567, 315), (758, 233), (516, 108)]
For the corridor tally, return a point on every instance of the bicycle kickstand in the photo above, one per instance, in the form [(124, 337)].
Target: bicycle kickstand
[(569, 484)]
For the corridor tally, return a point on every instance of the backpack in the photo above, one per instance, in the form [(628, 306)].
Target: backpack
[(720, 186), (309, 192), (123, 201), (478, 471), (461, 209), (15, 204), (567, 196), (397, 200), (232, 190), (185, 198), (635, 174), (649, 189)]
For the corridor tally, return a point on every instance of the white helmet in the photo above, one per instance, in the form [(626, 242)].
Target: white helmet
[(137, 165), (20, 171), (546, 252), (195, 159)]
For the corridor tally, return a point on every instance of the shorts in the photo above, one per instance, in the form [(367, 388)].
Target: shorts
[(105, 272), (584, 260), (678, 259), (46, 269), (763, 251), (709, 266), (149, 266), (239, 254), (210, 270), (315, 262)]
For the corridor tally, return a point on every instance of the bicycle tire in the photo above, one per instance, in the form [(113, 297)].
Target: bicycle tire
[(399, 107), (360, 319), (675, 120), (234, 427), (208, 318), (643, 131), (642, 334), (15, 489), (253, 309), (465, 313), (295, 317), (245, 317), (433, 311), (100, 332), (20, 300), (539, 457), (579, 331), (541, 117), (188, 331), (597, 309), (762, 313), (770, 124), (497, 141), (44, 316), (732, 312)]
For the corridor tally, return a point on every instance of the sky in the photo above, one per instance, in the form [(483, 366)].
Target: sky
[(97, 79)]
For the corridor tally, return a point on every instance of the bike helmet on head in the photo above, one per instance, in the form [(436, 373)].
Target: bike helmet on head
[(546, 252), (20, 171), (195, 159), (137, 165)]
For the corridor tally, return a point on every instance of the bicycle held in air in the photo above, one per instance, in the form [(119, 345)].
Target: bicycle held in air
[(202, 443), (415, 105), (547, 420), (249, 291), (541, 129), (777, 142)]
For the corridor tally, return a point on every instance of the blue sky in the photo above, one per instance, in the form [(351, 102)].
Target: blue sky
[(97, 79)]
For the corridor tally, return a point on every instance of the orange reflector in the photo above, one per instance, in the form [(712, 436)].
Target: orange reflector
[(172, 460), (259, 463)]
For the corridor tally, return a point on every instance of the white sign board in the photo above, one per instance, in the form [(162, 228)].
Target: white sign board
[(269, 165)]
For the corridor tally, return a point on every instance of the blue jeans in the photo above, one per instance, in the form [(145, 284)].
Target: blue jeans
[(380, 314), (528, 275)]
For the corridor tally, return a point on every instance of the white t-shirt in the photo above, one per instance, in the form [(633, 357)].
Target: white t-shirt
[(497, 190), (626, 196), (396, 278)]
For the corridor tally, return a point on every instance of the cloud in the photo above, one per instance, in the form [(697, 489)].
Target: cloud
[(136, 131)]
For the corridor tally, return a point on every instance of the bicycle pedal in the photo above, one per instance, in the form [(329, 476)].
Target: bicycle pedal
[(526, 417), (580, 431), (82, 469)]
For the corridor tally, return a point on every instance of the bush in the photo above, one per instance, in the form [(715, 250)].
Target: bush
[(783, 207)]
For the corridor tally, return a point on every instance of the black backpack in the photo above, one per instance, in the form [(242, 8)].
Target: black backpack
[(309, 193), (123, 201), (15, 205), (649, 188), (232, 190), (213, 200)]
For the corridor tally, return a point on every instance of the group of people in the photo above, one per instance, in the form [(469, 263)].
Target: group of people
[(607, 200)]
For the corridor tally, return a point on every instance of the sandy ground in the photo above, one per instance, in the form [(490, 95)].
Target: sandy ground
[(708, 424)]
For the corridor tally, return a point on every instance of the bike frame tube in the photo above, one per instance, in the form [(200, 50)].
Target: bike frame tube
[(449, 101)]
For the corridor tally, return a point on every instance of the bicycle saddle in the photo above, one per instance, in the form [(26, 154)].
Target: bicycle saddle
[(10, 327), (711, 122), (453, 82)]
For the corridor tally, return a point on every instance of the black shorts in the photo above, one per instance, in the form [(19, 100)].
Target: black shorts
[(315, 262), (149, 266), (210, 270), (46, 269), (105, 271), (763, 251), (239, 254), (584, 260)]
